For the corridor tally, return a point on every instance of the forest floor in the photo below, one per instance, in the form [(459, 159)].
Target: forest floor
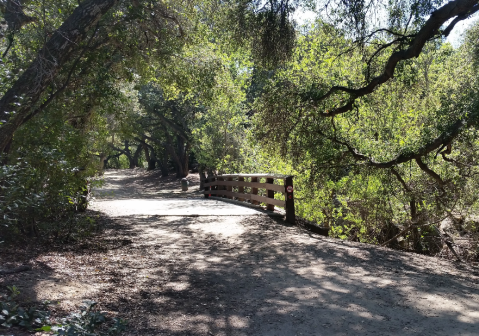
[(244, 274)]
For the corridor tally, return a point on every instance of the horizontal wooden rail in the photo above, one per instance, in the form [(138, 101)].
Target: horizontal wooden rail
[(258, 198), (267, 186), (222, 186)]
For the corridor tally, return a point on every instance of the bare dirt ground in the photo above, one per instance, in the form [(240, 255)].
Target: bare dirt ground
[(243, 275)]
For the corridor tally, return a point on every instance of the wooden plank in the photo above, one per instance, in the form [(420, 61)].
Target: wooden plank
[(229, 187), (257, 185), (211, 183), (274, 176), (258, 199), (275, 187), (229, 193), (267, 200), (254, 191)]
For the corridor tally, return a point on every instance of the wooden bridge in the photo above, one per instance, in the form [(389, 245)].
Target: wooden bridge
[(255, 189)]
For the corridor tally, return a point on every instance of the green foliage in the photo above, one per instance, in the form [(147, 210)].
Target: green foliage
[(11, 315), (338, 182), (235, 86), (88, 322), (269, 29), (40, 194)]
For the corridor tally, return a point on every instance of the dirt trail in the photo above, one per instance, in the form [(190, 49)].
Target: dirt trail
[(251, 275)]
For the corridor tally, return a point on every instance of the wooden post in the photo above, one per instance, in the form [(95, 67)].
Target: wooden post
[(289, 199), (270, 194), (241, 189), (207, 188), (213, 187), (254, 191), (220, 187), (229, 188)]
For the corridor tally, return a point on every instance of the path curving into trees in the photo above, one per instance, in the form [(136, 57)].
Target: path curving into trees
[(250, 275), (253, 275)]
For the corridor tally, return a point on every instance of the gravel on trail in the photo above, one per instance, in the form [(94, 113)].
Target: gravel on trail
[(244, 275)]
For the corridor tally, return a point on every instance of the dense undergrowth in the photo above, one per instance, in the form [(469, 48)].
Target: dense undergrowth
[(43, 196)]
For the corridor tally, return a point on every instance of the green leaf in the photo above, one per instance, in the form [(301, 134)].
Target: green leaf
[(44, 328)]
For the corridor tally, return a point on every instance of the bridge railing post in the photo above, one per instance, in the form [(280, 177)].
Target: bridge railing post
[(241, 188), (270, 194), (229, 188), (221, 187), (289, 199), (254, 191)]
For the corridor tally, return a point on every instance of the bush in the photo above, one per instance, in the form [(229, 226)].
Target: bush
[(11, 315), (88, 322), (40, 194)]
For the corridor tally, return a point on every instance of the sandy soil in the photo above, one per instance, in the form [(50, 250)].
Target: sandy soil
[(245, 275)]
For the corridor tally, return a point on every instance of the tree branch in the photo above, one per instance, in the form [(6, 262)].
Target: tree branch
[(400, 179), (65, 84), (18, 101), (444, 138), (177, 128), (432, 26), (435, 176)]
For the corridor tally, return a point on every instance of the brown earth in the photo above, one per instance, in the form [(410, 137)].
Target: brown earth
[(242, 275)]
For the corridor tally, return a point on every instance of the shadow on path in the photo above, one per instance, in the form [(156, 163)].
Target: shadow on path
[(256, 276), (247, 275)]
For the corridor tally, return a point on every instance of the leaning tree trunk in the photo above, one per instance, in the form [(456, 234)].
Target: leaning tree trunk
[(17, 103)]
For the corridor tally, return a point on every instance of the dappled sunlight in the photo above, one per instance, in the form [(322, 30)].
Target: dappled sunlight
[(181, 276), (224, 226), (273, 279), (254, 275), (172, 207)]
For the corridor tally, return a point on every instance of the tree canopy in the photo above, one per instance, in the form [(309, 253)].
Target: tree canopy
[(367, 105)]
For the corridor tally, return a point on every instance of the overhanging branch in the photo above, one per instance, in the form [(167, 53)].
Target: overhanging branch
[(443, 139), (458, 9)]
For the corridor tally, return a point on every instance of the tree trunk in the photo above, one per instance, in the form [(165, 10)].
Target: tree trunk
[(178, 161), (6, 150), (182, 162), (101, 167), (151, 164), (163, 164), (134, 159), (17, 103), (150, 159), (415, 235)]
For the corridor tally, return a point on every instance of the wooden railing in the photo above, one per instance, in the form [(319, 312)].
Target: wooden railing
[(244, 187)]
